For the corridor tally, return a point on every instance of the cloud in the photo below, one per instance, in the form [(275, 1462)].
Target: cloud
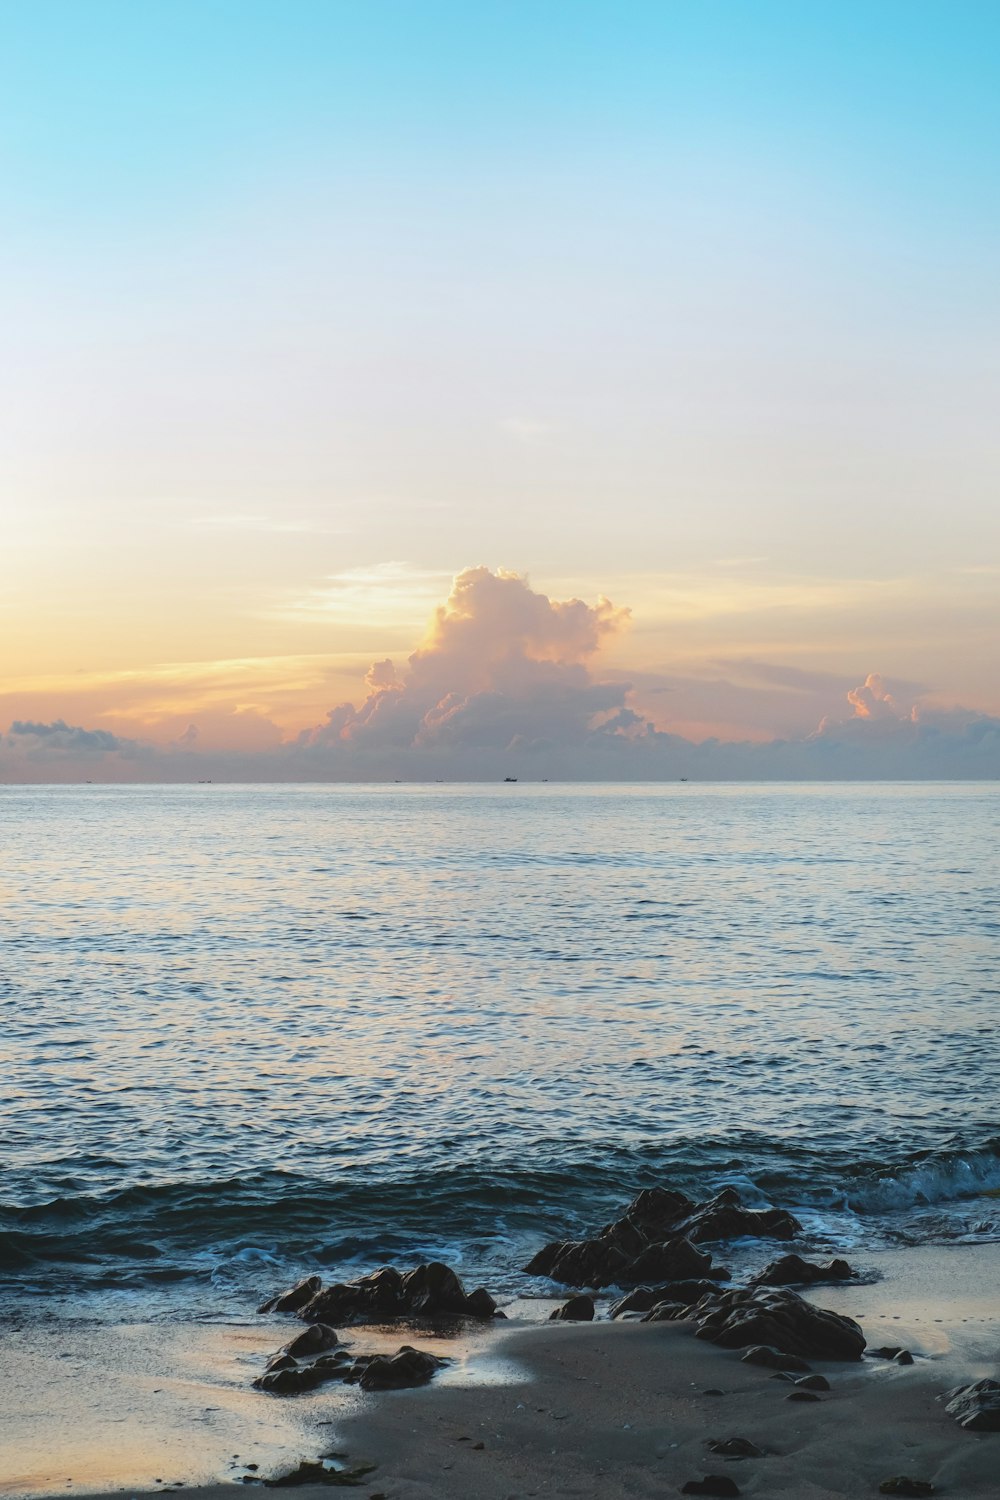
[(507, 682), (502, 665)]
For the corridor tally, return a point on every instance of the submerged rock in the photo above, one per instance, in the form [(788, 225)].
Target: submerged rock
[(813, 1383), (773, 1359), (903, 1485), (576, 1310), (976, 1407), (792, 1270), (781, 1319), (736, 1447), (712, 1484)]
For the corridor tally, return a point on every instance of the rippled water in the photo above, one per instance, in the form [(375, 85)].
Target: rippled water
[(247, 1029)]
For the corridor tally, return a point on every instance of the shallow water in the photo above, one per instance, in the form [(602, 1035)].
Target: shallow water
[(245, 1030)]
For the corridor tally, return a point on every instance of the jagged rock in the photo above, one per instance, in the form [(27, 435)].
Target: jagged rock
[(666, 1312), (778, 1318), (431, 1290), (904, 1357), (646, 1297), (296, 1297), (314, 1471), (576, 1310), (976, 1407), (813, 1383), (725, 1218), (735, 1448), (773, 1359), (382, 1372), (903, 1485), (792, 1270), (712, 1484), (315, 1339), (631, 1249)]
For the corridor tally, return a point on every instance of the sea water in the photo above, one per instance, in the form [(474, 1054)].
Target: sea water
[(251, 1031)]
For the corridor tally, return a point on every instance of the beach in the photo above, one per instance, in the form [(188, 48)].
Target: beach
[(528, 1407)]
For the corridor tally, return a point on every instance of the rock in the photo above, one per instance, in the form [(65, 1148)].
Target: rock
[(902, 1485), (792, 1270), (279, 1361), (778, 1318), (813, 1383), (309, 1471), (381, 1372), (904, 1357), (712, 1484), (315, 1339), (428, 1291), (643, 1298), (802, 1396), (735, 1448), (290, 1301), (725, 1218), (576, 1310), (673, 1260), (666, 1312), (772, 1359), (887, 1351), (976, 1407), (291, 1381), (783, 1375)]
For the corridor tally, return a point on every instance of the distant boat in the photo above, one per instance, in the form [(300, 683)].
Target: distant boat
[(684, 778), (510, 778)]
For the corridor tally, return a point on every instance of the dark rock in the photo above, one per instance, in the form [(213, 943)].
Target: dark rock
[(381, 1372), (802, 1396), (290, 1381), (666, 1312), (431, 1290), (783, 1375), (976, 1407), (673, 1260), (813, 1383), (735, 1448), (773, 1359), (887, 1351), (712, 1484), (792, 1270), (725, 1218), (713, 1390), (903, 1485), (296, 1297), (643, 1298), (576, 1310), (279, 1362), (315, 1339), (904, 1357), (316, 1472), (781, 1319)]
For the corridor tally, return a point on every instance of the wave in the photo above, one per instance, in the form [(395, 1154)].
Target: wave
[(239, 1228)]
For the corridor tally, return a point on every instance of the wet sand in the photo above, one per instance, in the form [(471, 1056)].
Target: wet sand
[(558, 1409)]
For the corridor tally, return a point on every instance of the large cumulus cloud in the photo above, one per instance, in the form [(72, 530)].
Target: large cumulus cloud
[(507, 682)]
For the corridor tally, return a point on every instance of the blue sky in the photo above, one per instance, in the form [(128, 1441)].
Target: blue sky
[(308, 307)]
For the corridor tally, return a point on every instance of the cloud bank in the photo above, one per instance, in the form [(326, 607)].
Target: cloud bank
[(506, 683)]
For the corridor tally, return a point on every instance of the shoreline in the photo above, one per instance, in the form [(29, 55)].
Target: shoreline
[(98, 1410)]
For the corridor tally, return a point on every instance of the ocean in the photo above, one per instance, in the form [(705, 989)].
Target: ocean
[(252, 1031)]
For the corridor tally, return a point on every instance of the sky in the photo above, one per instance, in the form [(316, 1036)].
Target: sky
[(334, 335)]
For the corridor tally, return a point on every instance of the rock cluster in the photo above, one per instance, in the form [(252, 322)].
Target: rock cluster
[(976, 1407), (656, 1239), (673, 1293), (285, 1376), (429, 1291), (780, 1319)]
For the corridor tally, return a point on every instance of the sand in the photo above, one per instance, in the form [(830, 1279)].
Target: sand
[(558, 1409)]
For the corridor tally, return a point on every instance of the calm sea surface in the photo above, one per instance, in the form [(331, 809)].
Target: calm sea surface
[(250, 1030)]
